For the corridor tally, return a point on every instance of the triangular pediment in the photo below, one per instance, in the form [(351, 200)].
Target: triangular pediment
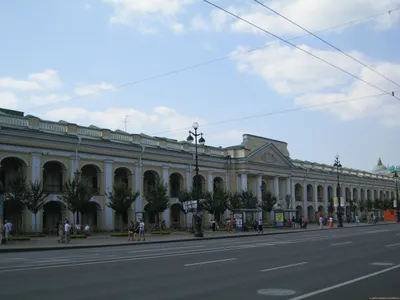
[(270, 155)]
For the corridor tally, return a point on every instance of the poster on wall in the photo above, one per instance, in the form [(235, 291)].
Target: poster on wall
[(279, 219), (239, 220)]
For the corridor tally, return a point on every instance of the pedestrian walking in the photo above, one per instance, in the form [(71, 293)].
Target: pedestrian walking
[(67, 232), (260, 226), (141, 230)]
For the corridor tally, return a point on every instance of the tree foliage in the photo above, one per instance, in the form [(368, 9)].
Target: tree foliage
[(268, 201), (16, 193), (158, 199), (288, 201), (36, 197), (186, 196), (215, 203), (362, 205), (235, 201), (331, 206), (369, 204), (76, 194), (121, 197), (249, 200)]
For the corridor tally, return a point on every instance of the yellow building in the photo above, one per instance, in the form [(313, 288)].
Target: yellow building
[(50, 152)]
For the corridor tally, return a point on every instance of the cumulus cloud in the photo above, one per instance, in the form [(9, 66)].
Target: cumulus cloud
[(290, 72), (9, 100), (311, 14), (94, 88), (147, 16), (45, 80)]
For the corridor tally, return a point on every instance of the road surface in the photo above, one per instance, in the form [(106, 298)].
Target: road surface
[(358, 263)]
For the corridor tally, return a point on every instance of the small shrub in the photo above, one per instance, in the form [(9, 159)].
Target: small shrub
[(119, 234), (34, 235), (20, 238), (78, 236), (161, 232)]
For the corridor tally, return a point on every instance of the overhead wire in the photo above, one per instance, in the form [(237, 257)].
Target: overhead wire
[(301, 49), (278, 112), (326, 42), (205, 63)]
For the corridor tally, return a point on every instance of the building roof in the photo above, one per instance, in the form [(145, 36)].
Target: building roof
[(380, 169)]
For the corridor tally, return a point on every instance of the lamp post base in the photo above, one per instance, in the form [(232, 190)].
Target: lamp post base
[(198, 230)]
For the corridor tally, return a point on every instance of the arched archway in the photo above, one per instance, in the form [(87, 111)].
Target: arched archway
[(199, 183), (310, 193), (13, 170), (149, 216), (320, 193), (218, 183), (298, 191), (320, 208), (91, 215), (123, 175), (93, 175), (176, 212), (150, 178), (52, 214), (347, 195), (175, 184), (355, 194), (330, 193), (299, 211), (53, 178), (311, 213)]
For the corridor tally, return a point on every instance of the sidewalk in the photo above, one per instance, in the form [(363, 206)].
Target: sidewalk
[(97, 241)]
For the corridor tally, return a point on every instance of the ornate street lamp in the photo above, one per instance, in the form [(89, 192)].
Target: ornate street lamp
[(396, 202), (193, 136), (339, 208)]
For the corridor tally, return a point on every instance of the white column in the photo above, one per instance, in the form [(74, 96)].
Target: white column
[(288, 187), (276, 187), (293, 195), (36, 177), (72, 167), (243, 179), (359, 194), (259, 194), (228, 181), (315, 195), (167, 212), (189, 179), (139, 188), (305, 204), (109, 184), (210, 181), (326, 186)]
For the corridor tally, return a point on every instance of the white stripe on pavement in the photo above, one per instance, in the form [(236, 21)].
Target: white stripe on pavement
[(393, 245), (209, 262), (339, 244), (329, 288), (284, 267)]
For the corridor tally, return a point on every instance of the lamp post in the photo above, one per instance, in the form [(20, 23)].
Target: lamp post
[(396, 202), (339, 208), (198, 139)]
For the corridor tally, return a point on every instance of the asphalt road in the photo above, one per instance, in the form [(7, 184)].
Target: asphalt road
[(340, 264)]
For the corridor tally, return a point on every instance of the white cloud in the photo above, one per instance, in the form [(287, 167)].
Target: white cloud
[(147, 16), (46, 80), (47, 99), (93, 88), (289, 71), (311, 14), (9, 100), (177, 28)]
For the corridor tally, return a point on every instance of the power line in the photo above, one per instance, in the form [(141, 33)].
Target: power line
[(202, 64), (275, 113), (301, 49), (326, 42)]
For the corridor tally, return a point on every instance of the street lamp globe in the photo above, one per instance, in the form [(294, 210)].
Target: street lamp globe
[(195, 125)]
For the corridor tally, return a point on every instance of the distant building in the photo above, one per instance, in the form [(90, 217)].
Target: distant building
[(51, 152)]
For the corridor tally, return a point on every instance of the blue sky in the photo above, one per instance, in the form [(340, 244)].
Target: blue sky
[(53, 51)]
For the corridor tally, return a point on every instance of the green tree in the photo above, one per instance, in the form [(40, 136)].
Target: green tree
[(362, 206), (76, 194), (249, 200), (16, 194), (36, 198), (158, 200), (331, 206), (215, 203), (268, 201), (121, 199), (369, 204), (235, 201), (288, 201), (377, 204)]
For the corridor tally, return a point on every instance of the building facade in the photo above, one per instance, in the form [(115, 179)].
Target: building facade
[(50, 152)]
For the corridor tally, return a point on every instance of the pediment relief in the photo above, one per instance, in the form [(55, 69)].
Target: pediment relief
[(271, 156)]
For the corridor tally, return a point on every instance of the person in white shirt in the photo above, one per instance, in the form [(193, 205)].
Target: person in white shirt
[(141, 230), (67, 230), (7, 231), (321, 222)]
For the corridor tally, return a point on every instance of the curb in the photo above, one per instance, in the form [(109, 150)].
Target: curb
[(72, 247)]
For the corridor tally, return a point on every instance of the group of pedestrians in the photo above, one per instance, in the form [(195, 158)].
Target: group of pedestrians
[(64, 231), (5, 232), (136, 231)]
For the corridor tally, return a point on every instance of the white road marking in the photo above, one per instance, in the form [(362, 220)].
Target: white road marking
[(339, 244), (329, 288), (284, 267), (393, 245), (162, 249), (382, 264), (210, 262)]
